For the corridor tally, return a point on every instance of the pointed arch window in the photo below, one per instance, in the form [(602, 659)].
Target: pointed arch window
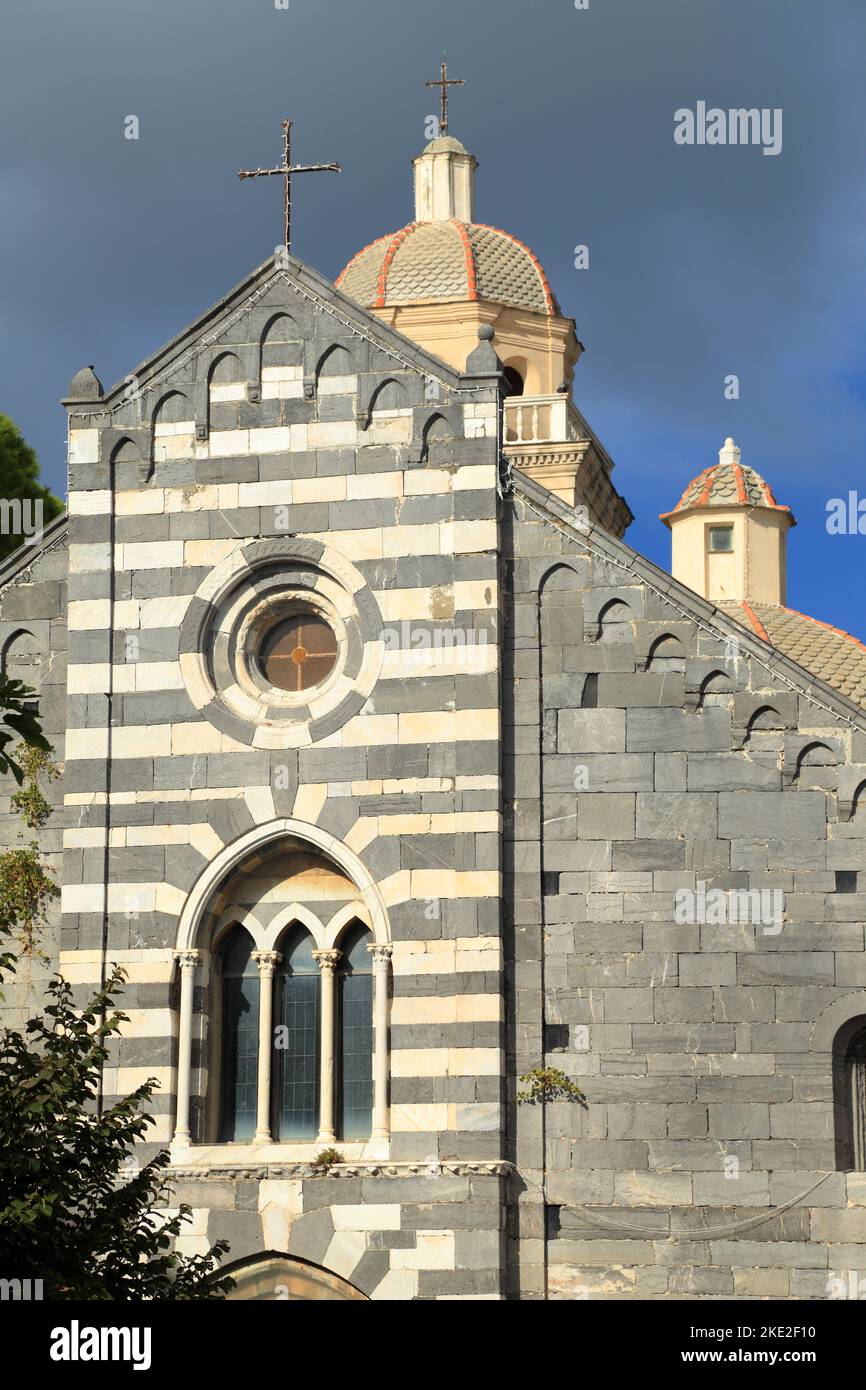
[(298, 1067), (298, 1049), (355, 1035), (855, 1094), (239, 985)]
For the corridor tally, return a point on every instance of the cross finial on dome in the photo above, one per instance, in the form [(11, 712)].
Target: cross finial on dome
[(443, 82), (729, 453)]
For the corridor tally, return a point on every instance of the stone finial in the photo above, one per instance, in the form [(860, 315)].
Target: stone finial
[(486, 332), (85, 386), (483, 361), (729, 453)]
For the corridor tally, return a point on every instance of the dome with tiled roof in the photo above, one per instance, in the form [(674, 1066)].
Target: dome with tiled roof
[(451, 260), (728, 483), (444, 254)]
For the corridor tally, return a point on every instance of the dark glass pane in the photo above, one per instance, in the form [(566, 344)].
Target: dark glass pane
[(356, 958), (298, 652), (296, 1072), (240, 1039), (356, 1036), (356, 1091), (721, 538), (298, 954)]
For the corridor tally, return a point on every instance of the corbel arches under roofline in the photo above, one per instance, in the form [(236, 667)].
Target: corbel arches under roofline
[(233, 855)]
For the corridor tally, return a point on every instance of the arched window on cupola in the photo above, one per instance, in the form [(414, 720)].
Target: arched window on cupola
[(296, 1075), (355, 1034), (239, 983)]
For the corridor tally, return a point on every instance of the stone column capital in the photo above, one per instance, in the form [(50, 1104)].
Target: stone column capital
[(267, 961), (381, 953), (327, 960), (187, 960)]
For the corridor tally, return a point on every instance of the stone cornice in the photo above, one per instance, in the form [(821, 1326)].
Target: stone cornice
[(530, 455), (491, 1168)]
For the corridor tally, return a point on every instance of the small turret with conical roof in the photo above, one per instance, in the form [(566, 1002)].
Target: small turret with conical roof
[(729, 534)]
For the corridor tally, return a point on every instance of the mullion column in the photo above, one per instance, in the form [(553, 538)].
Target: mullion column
[(327, 963), (381, 967), (267, 962), (188, 960)]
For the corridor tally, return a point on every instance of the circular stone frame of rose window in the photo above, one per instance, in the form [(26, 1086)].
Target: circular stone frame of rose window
[(253, 588)]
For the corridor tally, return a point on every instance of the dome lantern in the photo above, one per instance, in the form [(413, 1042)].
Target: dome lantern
[(443, 275), (445, 182)]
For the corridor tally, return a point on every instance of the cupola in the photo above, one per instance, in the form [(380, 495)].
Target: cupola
[(729, 534)]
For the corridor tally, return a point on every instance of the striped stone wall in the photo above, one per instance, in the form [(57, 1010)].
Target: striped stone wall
[(294, 422)]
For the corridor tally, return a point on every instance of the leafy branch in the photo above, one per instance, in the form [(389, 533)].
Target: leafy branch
[(548, 1083), (18, 721)]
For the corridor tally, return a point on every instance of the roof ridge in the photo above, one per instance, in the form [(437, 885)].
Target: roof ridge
[(742, 495), (397, 240), (755, 621), (175, 356), (469, 253)]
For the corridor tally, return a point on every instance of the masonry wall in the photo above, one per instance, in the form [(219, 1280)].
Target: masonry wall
[(292, 427), (416, 1232), (33, 647), (704, 1162)]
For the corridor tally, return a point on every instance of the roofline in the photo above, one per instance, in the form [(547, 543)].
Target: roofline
[(620, 552), (23, 556), (308, 281), (710, 507)]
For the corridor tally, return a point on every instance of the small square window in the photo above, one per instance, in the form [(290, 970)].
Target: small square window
[(556, 1037), (846, 880), (721, 538)]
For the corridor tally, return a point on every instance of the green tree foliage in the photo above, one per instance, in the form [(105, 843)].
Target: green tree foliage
[(27, 886), (19, 480), (17, 721), (72, 1213)]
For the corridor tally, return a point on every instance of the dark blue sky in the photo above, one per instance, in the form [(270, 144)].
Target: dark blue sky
[(704, 261)]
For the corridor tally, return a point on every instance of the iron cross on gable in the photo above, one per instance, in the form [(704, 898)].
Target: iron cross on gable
[(287, 168), (443, 82)]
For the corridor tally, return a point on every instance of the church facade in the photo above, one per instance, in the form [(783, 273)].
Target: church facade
[(492, 902)]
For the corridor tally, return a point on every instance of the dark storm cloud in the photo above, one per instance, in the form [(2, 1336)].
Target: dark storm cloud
[(703, 261)]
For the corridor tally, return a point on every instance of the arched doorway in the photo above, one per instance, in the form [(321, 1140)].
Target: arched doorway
[(280, 1278)]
